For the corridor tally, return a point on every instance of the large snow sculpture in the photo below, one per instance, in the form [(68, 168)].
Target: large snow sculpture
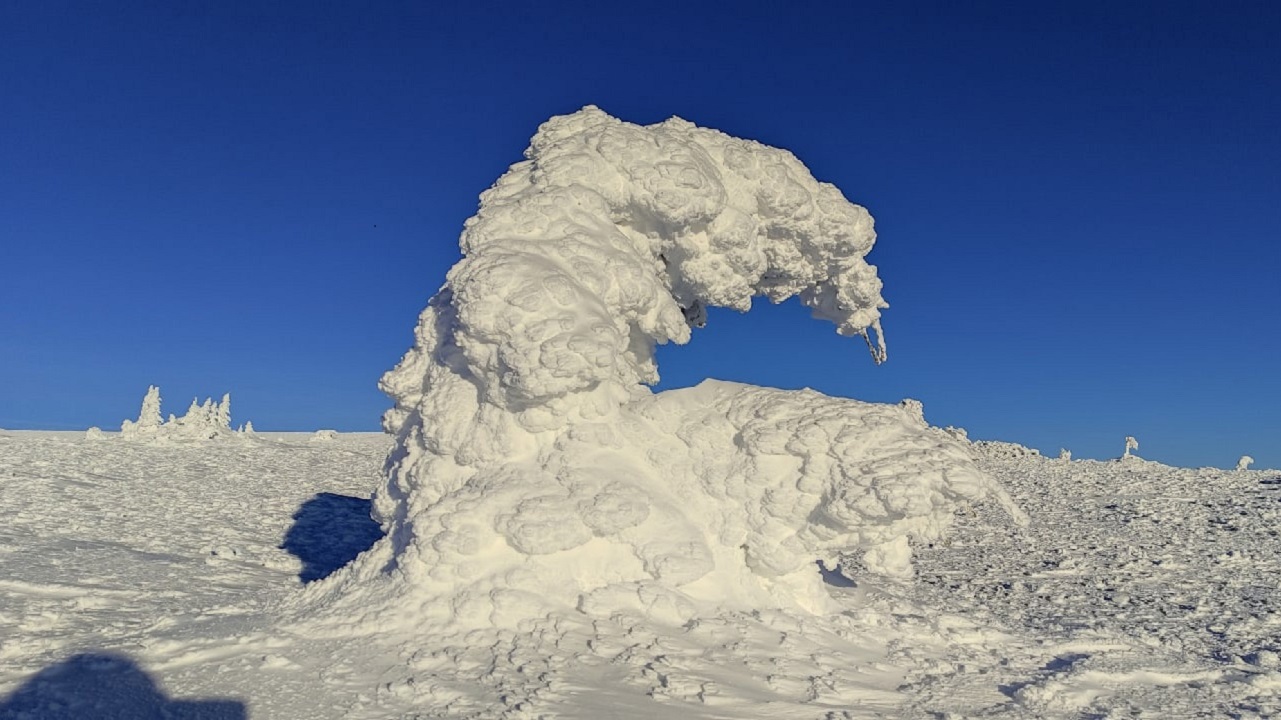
[(533, 469)]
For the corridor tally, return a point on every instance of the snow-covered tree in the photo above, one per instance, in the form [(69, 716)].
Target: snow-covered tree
[(523, 421), (150, 414), (202, 421), (1065, 455), (222, 414), (149, 418), (1245, 462), (1130, 445)]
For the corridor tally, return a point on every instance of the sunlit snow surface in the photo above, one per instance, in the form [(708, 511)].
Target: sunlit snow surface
[(138, 577)]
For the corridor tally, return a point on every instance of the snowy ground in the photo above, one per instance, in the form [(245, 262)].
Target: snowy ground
[(146, 580)]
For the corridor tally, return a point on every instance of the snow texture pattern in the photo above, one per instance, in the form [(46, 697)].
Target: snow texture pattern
[(533, 470)]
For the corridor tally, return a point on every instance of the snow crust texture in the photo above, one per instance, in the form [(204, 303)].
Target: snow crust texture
[(145, 580), (535, 472)]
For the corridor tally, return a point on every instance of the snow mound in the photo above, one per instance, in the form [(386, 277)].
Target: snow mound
[(535, 473)]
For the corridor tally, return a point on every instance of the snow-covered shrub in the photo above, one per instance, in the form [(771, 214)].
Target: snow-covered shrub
[(1130, 445), (94, 433), (1245, 462), (1065, 455), (324, 436), (533, 468)]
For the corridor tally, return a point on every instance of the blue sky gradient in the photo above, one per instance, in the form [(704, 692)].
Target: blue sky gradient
[(1078, 203)]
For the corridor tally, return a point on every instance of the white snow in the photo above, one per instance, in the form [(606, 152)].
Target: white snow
[(137, 578), (534, 473), (555, 540)]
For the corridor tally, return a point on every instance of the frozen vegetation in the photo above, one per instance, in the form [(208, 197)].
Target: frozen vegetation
[(554, 540), (202, 421), (535, 473)]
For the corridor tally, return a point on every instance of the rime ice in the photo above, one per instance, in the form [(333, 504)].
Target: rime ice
[(534, 471), (202, 421)]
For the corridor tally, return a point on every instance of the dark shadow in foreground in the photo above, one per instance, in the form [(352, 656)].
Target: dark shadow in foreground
[(329, 531), (103, 686)]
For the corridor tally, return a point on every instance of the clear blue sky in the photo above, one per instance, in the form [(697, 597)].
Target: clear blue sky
[(1078, 203)]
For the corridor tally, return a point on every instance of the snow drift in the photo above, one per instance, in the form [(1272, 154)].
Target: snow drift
[(535, 472)]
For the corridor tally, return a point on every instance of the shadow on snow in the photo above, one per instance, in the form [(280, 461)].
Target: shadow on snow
[(104, 685), (329, 531)]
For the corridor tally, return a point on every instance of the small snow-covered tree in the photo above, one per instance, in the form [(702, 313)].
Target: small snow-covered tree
[(149, 421), (150, 414), (1244, 462), (1130, 445), (222, 413), (1065, 455), (202, 421)]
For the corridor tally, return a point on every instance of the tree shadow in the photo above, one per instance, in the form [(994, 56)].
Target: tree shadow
[(329, 531), (107, 686)]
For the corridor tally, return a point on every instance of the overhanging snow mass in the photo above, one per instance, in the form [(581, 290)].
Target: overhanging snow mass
[(535, 472)]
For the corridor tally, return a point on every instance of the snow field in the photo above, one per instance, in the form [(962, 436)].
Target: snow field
[(1136, 590), (164, 552), (1146, 590)]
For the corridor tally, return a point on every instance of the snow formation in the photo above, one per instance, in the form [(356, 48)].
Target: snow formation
[(202, 421), (534, 472)]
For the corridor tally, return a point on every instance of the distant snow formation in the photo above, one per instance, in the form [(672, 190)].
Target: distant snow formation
[(534, 472), (1245, 462), (202, 421), (1000, 450)]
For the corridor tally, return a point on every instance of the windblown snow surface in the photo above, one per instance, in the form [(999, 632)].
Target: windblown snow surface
[(554, 540)]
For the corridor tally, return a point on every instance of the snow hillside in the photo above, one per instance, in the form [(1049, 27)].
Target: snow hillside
[(140, 579)]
